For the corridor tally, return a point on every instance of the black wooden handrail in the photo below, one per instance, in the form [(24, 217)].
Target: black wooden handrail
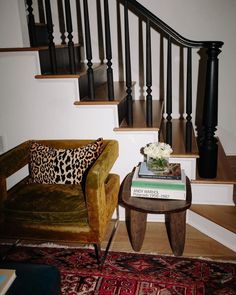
[(171, 32)]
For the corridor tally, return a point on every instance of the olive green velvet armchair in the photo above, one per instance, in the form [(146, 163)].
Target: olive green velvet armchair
[(59, 212)]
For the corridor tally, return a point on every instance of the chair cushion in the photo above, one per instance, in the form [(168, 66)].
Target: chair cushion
[(46, 203), (50, 165)]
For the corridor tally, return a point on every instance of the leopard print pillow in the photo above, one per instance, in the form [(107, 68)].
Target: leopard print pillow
[(64, 166)]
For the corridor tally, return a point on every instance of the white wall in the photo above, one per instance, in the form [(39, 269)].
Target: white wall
[(202, 19), (13, 24)]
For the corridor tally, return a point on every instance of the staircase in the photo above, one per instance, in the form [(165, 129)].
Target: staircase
[(132, 110)]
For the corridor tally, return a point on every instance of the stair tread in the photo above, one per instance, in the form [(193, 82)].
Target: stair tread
[(225, 174), (102, 97), (139, 123), (36, 48), (80, 71), (178, 139), (224, 216)]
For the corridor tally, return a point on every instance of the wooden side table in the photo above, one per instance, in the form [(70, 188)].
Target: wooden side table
[(136, 210)]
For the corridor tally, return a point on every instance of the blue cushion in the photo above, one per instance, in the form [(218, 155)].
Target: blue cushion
[(34, 279)]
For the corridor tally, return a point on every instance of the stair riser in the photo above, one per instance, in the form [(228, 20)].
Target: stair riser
[(61, 57), (212, 194), (41, 35), (211, 229), (100, 77)]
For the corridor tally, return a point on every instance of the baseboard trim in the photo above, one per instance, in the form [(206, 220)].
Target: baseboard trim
[(211, 229)]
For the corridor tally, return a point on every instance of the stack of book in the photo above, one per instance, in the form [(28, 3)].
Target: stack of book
[(167, 185)]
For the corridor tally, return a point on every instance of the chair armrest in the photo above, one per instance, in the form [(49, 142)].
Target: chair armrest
[(98, 178), (101, 168), (14, 159)]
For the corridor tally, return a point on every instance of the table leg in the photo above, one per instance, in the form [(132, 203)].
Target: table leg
[(136, 227), (176, 228)]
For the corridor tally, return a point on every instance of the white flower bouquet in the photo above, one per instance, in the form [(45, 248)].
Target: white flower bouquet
[(158, 154)]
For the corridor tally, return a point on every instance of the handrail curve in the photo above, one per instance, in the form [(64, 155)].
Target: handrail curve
[(171, 32)]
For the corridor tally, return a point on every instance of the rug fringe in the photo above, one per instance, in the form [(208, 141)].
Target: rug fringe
[(48, 245), (171, 255), (54, 245)]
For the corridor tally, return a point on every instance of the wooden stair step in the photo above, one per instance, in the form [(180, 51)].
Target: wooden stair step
[(62, 59), (224, 216), (178, 139), (57, 46), (19, 49), (36, 48), (102, 96), (139, 117), (81, 70)]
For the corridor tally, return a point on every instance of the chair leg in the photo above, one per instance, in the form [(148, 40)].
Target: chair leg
[(98, 252)]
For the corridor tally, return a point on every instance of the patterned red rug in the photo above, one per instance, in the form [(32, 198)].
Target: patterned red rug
[(130, 274)]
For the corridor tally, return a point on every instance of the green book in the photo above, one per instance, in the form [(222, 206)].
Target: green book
[(141, 182)]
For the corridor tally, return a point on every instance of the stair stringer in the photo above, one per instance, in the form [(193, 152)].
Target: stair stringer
[(213, 230)]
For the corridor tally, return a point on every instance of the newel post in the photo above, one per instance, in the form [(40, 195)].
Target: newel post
[(208, 146)]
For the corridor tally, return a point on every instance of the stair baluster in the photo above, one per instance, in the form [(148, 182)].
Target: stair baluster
[(41, 12), (61, 21), (129, 99), (51, 45), (169, 94), (31, 23), (88, 52), (100, 31), (80, 29), (188, 134), (71, 50), (110, 83), (208, 147), (148, 75)]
